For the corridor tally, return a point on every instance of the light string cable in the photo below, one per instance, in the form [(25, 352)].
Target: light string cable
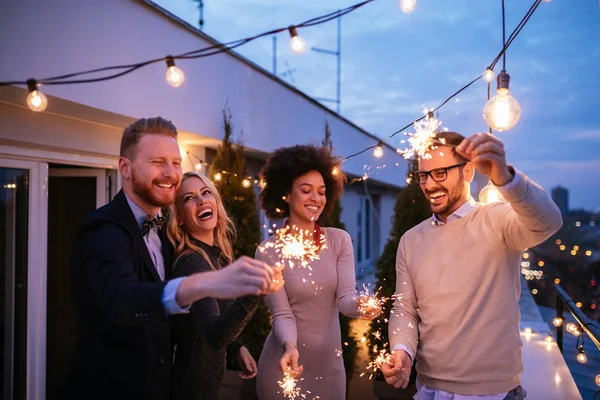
[(506, 45), (200, 53)]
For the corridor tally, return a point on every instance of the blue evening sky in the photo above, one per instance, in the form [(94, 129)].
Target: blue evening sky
[(394, 63)]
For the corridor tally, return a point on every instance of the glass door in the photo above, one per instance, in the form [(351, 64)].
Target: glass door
[(21, 203)]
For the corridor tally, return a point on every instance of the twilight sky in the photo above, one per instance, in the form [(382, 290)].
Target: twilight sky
[(394, 63)]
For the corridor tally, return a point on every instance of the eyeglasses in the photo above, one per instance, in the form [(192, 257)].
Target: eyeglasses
[(438, 174)]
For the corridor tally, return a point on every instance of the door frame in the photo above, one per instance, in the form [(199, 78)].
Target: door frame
[(36, 160), (36, 274)]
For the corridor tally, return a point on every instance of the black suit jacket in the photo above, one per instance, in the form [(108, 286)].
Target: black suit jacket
[(124, 344)]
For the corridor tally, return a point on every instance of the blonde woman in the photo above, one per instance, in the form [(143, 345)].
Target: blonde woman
[(200, 231)]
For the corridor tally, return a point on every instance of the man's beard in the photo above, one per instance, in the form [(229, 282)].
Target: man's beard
[(150, 196), (454, 197)]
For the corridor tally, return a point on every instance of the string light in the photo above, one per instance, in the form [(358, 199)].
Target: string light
[(488, 75), (598, 379), (297, 44), (175, 77), (528, 331), (378, 152), (246, 183), (502, 112), (36, 100), (581, 357), (224, 47), (549, 339), (198, 166), (408, 6), (218, 177), (490, 194), (557, 322)]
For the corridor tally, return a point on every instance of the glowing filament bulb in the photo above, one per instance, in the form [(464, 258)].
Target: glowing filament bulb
[(297, 44), (378, 152), (490, 194), (218, 176), (198, 166), (502, 112), (175, 77), (581, 357), (36, 100), (557, 322), (488, 75), (246, 183), (335, 171), (408, 6)]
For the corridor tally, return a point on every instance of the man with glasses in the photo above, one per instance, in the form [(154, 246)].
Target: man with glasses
[(458, 277)]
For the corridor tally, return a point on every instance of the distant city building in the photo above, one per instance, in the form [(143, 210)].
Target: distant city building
[(560, 195)]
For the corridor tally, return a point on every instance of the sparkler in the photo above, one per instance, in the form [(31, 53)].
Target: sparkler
[(421, 141), (289, 386), (370, 304), (296, 247), (383, 356)]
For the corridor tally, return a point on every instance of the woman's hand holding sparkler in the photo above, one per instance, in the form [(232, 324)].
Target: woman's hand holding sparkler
[(289, 360)]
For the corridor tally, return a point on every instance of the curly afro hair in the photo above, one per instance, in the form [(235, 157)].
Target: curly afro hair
[(287, 164)]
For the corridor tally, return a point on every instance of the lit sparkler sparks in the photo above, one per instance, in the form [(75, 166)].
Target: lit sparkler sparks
[(421, 141), (370, 304), (296, 247), (289, 386), (383, 356)]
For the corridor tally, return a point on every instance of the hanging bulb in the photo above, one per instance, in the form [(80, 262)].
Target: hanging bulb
[(218, 176), (571, 327), (198, 166), (36, 100), (378, 152), (408, 6), (502, 111), (490, 194), (557, 322), (549, 339), (246, 183), (488, 75), (175, 77), (297, 44), (581, 357), (598, 379)]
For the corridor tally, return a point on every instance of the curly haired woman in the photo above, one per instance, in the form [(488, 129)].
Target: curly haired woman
[(301, 185)]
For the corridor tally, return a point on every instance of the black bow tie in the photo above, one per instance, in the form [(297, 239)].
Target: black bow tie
[(152, 223)]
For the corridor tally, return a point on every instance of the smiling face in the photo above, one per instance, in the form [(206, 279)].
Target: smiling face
[(307, 199), (197, 210), (447, 196), (152, 174)]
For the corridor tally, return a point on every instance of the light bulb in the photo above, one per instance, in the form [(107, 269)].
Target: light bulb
[(218, 176), (490, 194), (408, 5), (557, 322), (198, 166), (528, 331), (175, 77), (581, 357), (571, 327), (297, 44), (378, 152), (502, 112), (488, 75), (246, 183), (548, 339), (598, 379), (36, 100), (335, 171)]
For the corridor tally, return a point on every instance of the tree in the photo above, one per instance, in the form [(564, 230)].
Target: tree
[(411, 209), (350, 350), (240, 203)]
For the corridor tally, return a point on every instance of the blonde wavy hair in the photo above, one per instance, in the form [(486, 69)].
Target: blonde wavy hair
[(223, 232)]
